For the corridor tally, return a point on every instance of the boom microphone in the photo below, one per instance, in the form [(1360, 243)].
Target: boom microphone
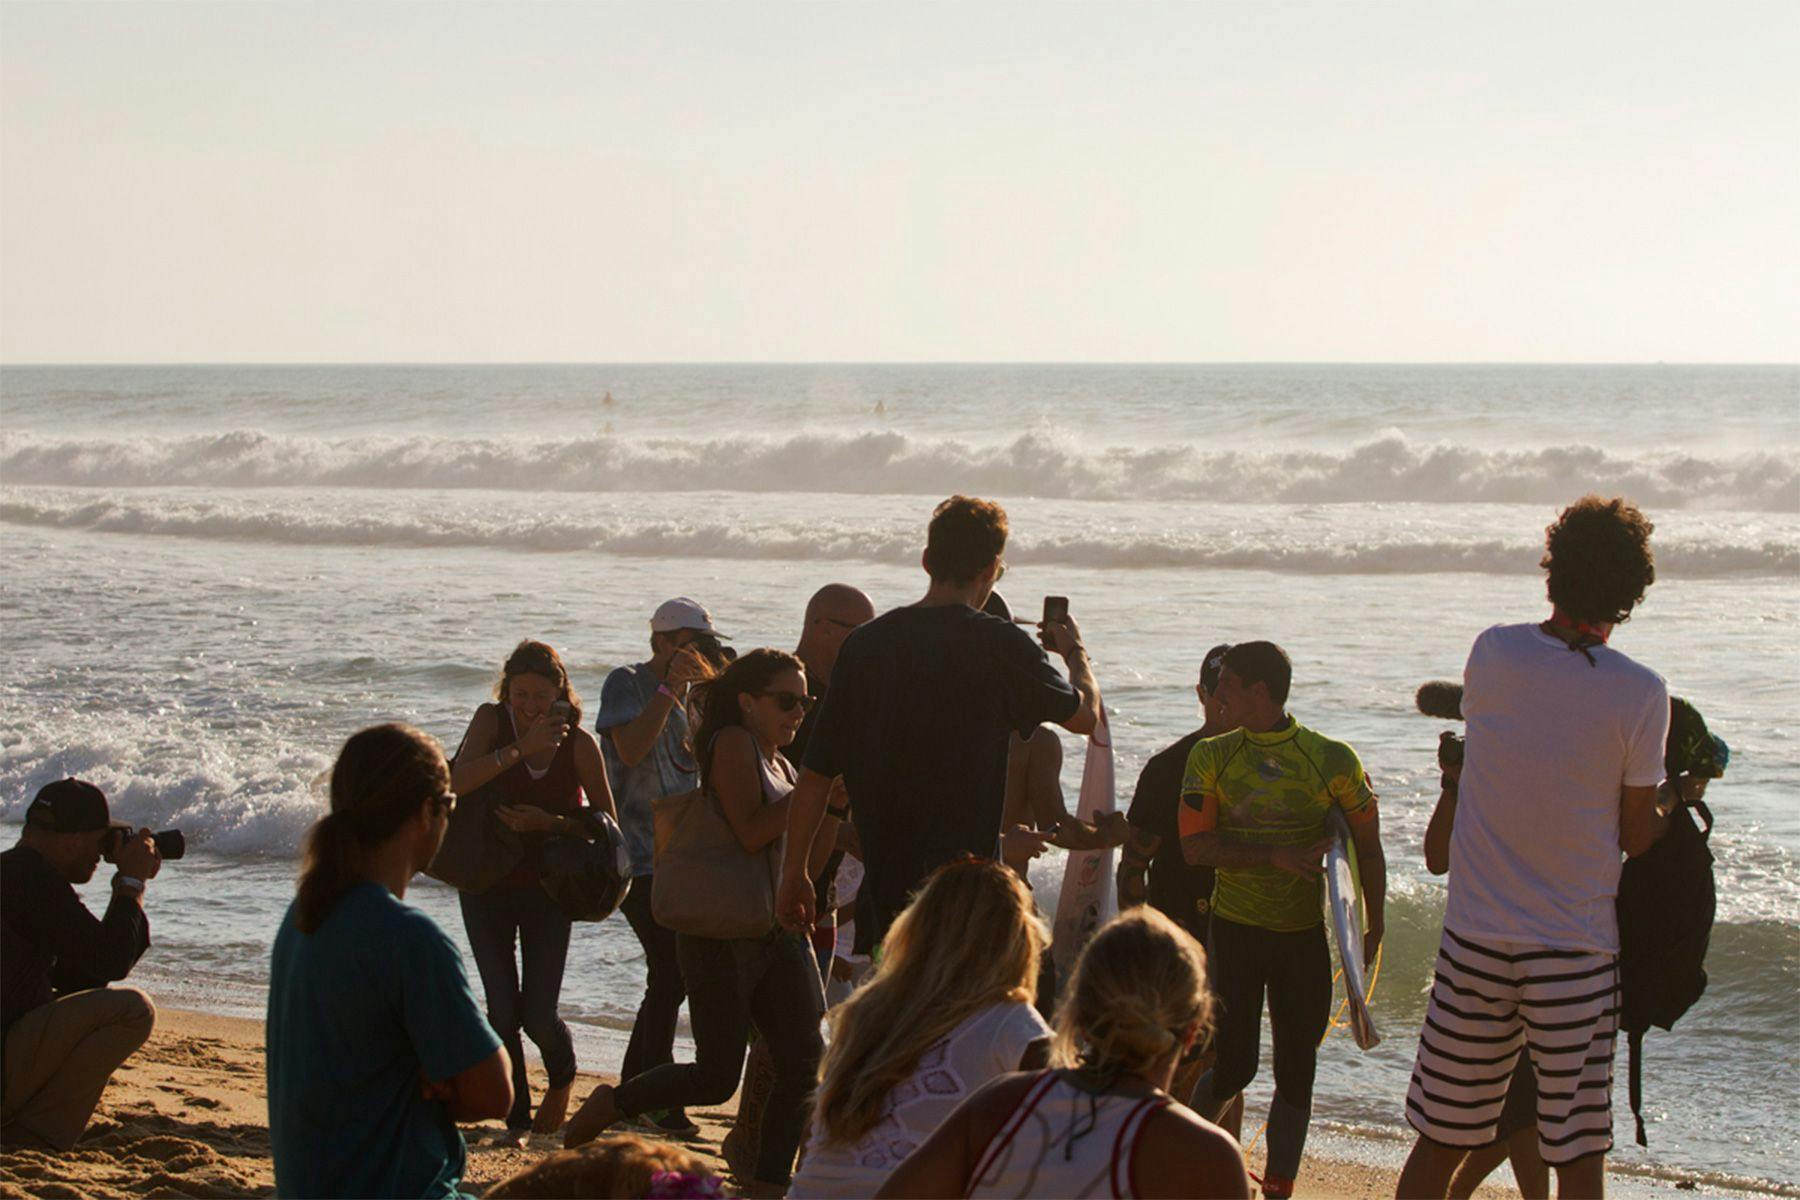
[(1441, 699)]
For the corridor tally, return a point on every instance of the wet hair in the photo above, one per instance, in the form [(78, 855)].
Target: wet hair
[(381, 777), (538, 658), (719, 710), (1264, 663), (1137, 988), (965, 538), (1597, 554), (619, 1165), (928, 983)]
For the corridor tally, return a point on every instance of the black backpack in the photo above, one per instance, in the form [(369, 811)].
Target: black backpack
[(1665, 906)]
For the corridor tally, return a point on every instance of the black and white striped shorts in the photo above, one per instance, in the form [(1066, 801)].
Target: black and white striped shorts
[(1489, 1000)]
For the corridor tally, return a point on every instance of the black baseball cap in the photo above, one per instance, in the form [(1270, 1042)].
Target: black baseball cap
[(71, 806), (1213, 665)]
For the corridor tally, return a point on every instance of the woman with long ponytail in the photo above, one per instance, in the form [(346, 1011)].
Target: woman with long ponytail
[(1099, 1122), (376, 1047)]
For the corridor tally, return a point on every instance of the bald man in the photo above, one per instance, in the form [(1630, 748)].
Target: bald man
[(831, 614)]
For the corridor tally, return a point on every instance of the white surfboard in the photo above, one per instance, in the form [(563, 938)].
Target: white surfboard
[(1343, 896), (1087, 900)]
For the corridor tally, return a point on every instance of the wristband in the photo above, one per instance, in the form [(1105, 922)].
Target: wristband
[(666, 690), (129, 883)]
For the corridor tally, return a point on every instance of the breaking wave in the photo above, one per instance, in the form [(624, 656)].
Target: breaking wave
[(1387, 468)]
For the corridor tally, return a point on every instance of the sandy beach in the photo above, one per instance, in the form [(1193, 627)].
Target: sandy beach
[(187, 1117)]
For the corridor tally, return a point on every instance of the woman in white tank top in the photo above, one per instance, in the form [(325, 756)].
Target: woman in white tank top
[(949, 1008), (1099, 1123)]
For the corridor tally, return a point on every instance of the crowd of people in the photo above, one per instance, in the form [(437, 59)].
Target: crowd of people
[(896, 774)]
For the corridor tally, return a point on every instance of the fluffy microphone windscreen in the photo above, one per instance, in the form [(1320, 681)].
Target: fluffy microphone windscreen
[(1440, 698)]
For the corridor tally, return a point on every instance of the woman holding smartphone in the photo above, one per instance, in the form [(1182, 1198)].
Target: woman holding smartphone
[(751, 711), (529, 743)]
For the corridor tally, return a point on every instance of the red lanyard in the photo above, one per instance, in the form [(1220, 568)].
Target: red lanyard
[(1562, 621)]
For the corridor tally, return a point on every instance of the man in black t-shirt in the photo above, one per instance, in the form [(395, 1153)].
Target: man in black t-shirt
[(915, 723), (1181, 892)]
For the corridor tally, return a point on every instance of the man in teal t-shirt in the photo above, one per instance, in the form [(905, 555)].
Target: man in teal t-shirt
[(363, 1013)]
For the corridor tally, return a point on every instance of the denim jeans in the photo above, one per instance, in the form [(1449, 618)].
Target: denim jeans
[(652, 1041), (497, 920), (772, 981)]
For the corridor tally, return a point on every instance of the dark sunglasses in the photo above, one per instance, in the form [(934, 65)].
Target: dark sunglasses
[(789, 701), (838, 623)]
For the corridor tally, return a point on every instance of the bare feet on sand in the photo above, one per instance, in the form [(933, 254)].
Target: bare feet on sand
[(552, 1109), (596, 1115), (516, 1138)]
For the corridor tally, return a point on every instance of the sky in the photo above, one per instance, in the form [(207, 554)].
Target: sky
[(771, 182)]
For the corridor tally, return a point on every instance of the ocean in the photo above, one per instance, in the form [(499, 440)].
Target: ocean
[(215, 574)]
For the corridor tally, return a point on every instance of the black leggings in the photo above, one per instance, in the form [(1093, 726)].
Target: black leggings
[(772, 981)]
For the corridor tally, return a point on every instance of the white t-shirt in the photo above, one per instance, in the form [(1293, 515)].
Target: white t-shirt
[(1535, 855), (989, 1043)]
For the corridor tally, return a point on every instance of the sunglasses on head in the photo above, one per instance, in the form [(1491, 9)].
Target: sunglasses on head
[(789, 701)]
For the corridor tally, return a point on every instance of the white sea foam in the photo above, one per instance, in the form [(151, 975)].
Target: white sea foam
[(1197, 540), (1388, 468)]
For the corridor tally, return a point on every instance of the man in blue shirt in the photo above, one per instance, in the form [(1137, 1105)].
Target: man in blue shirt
[(376, 1044), (646, 739)]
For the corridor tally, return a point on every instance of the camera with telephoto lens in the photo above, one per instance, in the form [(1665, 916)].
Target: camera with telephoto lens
[(171, 844), (1450, 749)]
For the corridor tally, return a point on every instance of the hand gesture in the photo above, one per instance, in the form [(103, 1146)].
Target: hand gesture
[(794, 904), (1114, 827), (528, 818), (686, 667), (137, 856), (1300, 860), (1061, 636), (1020, 844), (547, 734)]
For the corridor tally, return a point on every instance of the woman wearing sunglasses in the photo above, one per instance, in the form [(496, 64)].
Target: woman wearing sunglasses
[(751, 711)]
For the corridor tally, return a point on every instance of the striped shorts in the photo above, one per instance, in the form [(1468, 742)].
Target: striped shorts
[(1489, 1001)]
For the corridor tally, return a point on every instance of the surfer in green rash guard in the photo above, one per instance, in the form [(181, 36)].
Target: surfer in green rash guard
[(1254, 806)]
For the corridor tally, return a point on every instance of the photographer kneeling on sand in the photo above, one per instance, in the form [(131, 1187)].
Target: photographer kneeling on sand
[(66, 1033)]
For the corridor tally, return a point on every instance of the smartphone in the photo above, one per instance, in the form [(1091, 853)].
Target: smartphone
[(1055, 608), (560, 711)]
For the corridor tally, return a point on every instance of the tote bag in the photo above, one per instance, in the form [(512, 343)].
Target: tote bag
[(478, 851), (706, 883)]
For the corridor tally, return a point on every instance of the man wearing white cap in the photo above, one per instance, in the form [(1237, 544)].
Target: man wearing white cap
[(645, 738)]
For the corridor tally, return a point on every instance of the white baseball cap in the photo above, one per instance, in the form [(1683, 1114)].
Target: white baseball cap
[(682, 613)]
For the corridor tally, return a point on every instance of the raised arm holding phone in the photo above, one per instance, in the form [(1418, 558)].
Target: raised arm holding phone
[(916, 724)]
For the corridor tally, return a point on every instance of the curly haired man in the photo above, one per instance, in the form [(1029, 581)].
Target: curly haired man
[(1559, 781)]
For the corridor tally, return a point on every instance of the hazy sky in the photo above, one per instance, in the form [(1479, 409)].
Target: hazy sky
[(771, 182)]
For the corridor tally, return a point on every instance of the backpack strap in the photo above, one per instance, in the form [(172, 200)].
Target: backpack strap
[(1699, 806), (1635, 1040)]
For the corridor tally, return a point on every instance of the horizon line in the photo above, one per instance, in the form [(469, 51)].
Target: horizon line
[(945, 362)]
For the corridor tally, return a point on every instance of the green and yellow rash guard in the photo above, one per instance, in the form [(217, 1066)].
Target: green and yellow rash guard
[(1271, 789)]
